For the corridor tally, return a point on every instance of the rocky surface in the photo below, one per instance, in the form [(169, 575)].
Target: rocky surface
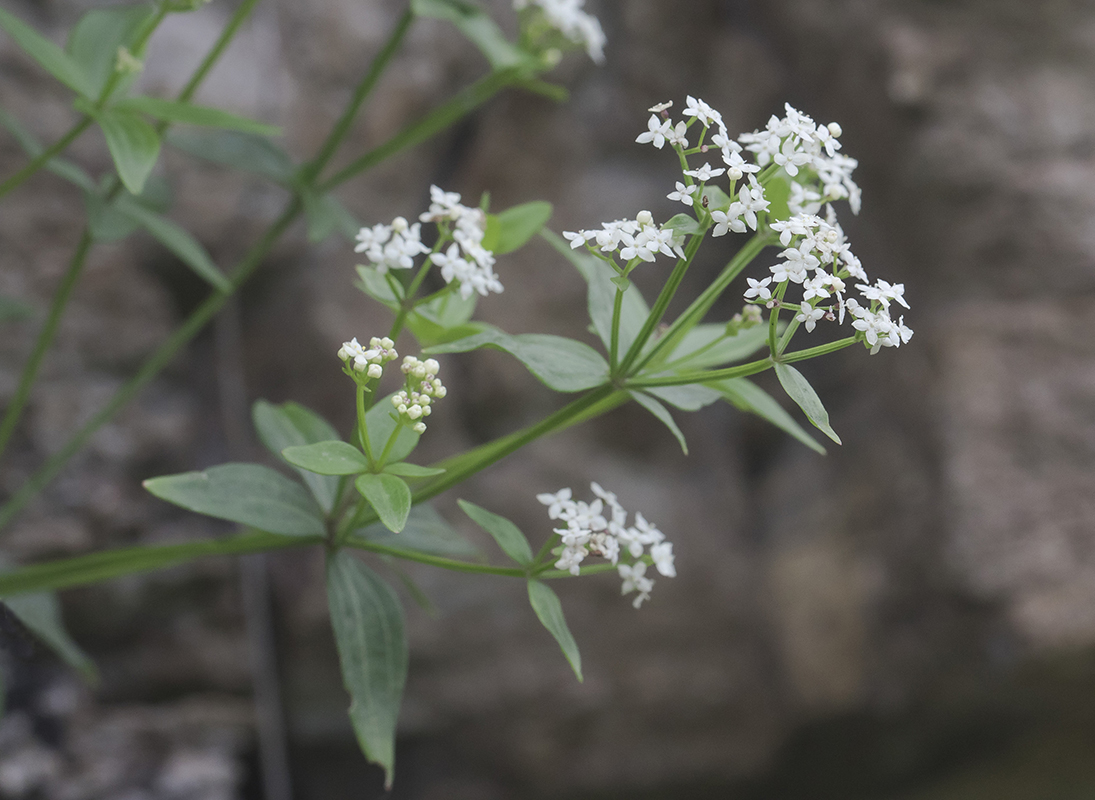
[(910, 617)]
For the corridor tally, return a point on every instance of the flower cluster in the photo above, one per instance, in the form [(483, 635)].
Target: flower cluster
[(589, 531), (640, 238), (466, 260), (423, 387), (391, 246), (576, 25), (357, 360)]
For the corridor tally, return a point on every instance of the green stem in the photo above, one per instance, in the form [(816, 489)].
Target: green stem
[(820, 350), (614, 347), (773, 319), (434, 561), (548, 544), (150, 369), (45, 338), (311, 172), (704, 376), (702, 304), (661, 304), (389, 444), (440, 118), (43, 158), (362, 428), (408, 302), (460, 467)]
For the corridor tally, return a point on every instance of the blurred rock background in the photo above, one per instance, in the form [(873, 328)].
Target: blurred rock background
[(909, 618)]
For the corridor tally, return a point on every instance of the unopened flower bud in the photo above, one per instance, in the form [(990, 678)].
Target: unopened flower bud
[(374, 371)]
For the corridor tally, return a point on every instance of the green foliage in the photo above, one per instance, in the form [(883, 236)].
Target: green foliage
[(707, 345), (426, 531), (505, 533), (381, 421), (390, 497), (564, 365), (367, 619), (58, 166), (52, 58), (518, 224), (747, 396), (133, 143), (290, 425), (799, 390), (327, 458), (243, 151), (325, 215), (550, 612), (477, 25), (94, 41), (190, 114), (250, 494), (405, 470)]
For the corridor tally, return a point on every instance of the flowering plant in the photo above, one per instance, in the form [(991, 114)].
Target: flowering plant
[(778, 186)]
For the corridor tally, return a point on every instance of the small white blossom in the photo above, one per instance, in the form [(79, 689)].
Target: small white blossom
[(656, 133), (809, 315), (758, 289), (572, 22), (683, 193), (702, 112), (704, 173)]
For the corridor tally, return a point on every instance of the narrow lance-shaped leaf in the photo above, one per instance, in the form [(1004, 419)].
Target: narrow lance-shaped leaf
[(133, 143), (550, 612), (292, 424), (475, 24), (177, 240), (509, 536), (405, 470), (327, 458), (564, 365), (250, 494), (426, 531), (799, 390), (663, 416), (749, 397), (41, 613), (58, 166), (389, 496), (244, 151), (55, 60), (190, 114), (367, 620)]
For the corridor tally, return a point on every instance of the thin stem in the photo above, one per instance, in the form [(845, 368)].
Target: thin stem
[(662, 303), (820, 350), (389, 444), (614, 347), (773, 319), (43, 158), (45, 338), (360, 95), (548, 545), (440, 118), (408, 302), (702, 304), (434, 561), (362, 428), (704, 376), (473, 461)]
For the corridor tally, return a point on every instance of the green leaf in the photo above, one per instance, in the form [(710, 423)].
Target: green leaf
[(58, 166), (777, 191), (380, 420), (332, 457), (564, 365), (190, 114), (51, 57), (244, 151), (550, 611), (602, 295), (372, 649), (479, 28), (389, 496), (689, 397), (663, 415), (11, 310), (747, 396), (250, 494), (509, 536), (406, 470), (444, 319), (66, 573), (41, 614), (519, 224), (683, 224), (177, 240), (426, 531), (379, 288), (134, 145), (325, 214), (94, 41), (799, 390), (289, 425), (707, 345)]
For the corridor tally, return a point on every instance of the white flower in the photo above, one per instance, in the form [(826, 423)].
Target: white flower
[(662, 554), (704, 173), (809, 315), (634, 579), (726, 221), (656, 133), (758, 289), (683, 193), (660, 107), (572, 22), (702, 112)]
